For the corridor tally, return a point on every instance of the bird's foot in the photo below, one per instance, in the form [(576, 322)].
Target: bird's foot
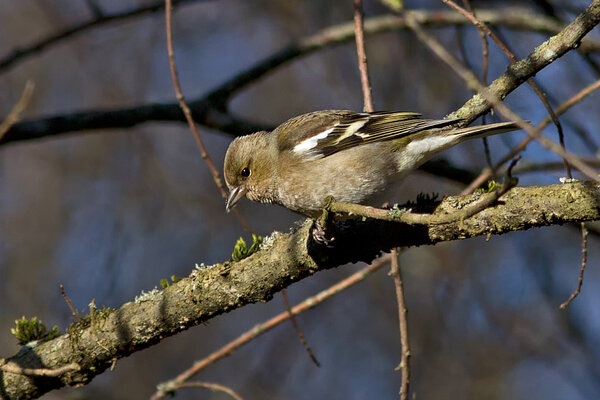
[(322, 229), (322, 235)]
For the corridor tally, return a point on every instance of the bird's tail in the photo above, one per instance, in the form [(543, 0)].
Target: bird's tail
[(472, 132), (426, 144)]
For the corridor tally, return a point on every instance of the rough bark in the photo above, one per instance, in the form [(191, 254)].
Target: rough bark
[(107, 335)]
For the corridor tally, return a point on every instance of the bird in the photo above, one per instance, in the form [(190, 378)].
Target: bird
[(351, 156)]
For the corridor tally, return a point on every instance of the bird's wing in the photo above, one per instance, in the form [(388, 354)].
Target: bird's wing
[(321, 136), (308, 127)]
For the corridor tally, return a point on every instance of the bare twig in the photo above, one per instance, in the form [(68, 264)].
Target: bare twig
[(211, 109), (484, 29), (543, 55), (485, 52), (489, 96), (509, 17), (480, 26), (183, 104), (15, 114), (395, 272), (288, 308), (210, 292), (19, 54), (215, 387), (484, 46), (264, 327), (550, 166), (476, 206), (561, 109), (38, 372), (188, 115), (69, 303), (404, 365), (584, 236), (209, 162), (362, 57)]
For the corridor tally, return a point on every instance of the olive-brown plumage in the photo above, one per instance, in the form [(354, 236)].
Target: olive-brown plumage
[(350, 156)]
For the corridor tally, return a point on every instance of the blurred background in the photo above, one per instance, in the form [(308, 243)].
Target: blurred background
[(109, 213)]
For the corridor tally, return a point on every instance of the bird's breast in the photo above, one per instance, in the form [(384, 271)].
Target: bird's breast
[(354, 176)]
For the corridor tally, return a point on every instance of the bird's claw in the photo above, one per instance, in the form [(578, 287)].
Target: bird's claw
[(321, 235)]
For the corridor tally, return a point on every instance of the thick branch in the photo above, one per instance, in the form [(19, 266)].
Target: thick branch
[(107, 335), (87, 121), (211, 110), (99, 19), (557, 46)]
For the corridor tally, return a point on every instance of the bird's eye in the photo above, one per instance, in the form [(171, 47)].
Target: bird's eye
[(246, 172)]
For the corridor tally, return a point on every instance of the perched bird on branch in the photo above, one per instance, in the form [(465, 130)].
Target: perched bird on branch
[(348, 155)]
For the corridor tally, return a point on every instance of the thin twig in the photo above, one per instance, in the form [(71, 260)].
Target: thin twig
[(369, 107), (584, 236), (485, 52), (404, 365), (550, 166), (472, 81), (183, 104), (264, 327), (206, 157), (19, 54), (41, 372), (362, 57), (211, 109), (208, 160), (406, 217), (480, 26), (15, 114), (524, 20), (288, 308), (483, 28), (584, 231), (215, 387), (228, 286), (561, 109), (188, 115), (69, 303)]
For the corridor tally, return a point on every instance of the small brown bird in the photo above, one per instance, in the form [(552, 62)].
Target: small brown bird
[(348, 155)]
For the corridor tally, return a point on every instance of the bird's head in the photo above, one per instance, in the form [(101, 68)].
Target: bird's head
[(250, 168)]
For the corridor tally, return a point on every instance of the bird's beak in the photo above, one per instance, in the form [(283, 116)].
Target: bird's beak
[(235, 195)]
